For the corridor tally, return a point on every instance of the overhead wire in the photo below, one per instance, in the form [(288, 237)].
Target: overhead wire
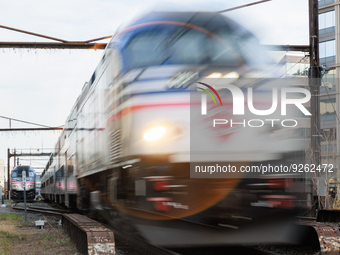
[(242, 6), (27, 122), (21, 159)]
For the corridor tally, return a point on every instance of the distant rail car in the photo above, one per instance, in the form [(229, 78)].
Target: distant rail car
[(124, 153), (17, 186)]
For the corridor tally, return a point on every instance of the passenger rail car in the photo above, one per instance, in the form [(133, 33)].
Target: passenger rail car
[(17, 187), (124, 153)]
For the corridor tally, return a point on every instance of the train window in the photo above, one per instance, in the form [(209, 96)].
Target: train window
[(251, 51), (69, 170), (222, 51), (146, 49), (182, 46), (18, 173), (116, 66), (60, 172), (72, 121), (189, 48)]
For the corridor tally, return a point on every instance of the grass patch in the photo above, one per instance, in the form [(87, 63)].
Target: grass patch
[(18, 237), (7, 237), (8, 232), (9, 217), (48, 238), (6, 246), (63, 240)]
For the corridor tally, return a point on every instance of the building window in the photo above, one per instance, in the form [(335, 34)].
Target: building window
[(327, 51), (323, 2), (328, 150), (296, 68), (328, 143), (328, 134), (327, 106), (326, 22)]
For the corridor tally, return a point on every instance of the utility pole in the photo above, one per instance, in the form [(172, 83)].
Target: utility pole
[(4, 194), (8, 176), (315, 82), (14, 160)]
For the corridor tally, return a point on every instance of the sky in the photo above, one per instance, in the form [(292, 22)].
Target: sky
[(41, 86)]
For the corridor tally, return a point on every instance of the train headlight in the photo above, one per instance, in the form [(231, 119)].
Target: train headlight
[(15, 186), (232, 75), (154, 133), (214, 75)]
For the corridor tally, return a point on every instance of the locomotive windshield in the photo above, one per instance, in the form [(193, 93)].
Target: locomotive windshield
[(187, 46), (17, 172)]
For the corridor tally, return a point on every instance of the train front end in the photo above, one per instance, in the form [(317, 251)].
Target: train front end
[(190, 99), (17, 185)]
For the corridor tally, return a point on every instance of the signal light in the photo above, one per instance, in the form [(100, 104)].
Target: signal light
[(160, 186), (161, 206), (279, 184)]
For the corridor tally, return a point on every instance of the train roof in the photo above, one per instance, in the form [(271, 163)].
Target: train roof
[(211, 21), (26, 168)]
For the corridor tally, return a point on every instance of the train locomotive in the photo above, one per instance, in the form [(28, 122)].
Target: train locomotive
[(17, 188), (125, 151)]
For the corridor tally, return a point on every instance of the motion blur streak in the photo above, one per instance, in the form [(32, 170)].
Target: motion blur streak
[(125, 152)]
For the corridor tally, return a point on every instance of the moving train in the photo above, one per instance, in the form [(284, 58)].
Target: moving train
[(128, 149), (17, 188)]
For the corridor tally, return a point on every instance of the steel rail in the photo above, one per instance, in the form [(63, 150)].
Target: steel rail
[(42, 211), (49, 209)]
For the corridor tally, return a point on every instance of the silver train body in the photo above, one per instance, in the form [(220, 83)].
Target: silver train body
[(124, 153)]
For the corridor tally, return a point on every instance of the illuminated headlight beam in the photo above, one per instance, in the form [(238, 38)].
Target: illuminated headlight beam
[(154, 133)]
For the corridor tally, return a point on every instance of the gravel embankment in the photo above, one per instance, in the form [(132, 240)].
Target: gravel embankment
[(31, 217), (20, 237)]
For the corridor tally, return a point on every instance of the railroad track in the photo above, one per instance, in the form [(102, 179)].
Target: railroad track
[(123, 242), (49, 211), (126, 244)]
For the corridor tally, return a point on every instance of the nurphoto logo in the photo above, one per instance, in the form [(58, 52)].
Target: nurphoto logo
[(239, 100)]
